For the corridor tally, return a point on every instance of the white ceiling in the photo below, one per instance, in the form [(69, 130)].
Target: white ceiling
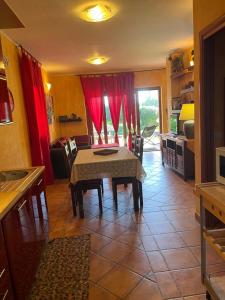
[(138, 37)]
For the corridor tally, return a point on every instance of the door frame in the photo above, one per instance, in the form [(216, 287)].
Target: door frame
[(158, 88), (207, 65)]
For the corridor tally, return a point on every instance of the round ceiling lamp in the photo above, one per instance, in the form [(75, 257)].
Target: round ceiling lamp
[(98, 60), (97, 12)]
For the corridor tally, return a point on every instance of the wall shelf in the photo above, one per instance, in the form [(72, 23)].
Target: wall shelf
[(70, 120), (188, 90), (182, 73)]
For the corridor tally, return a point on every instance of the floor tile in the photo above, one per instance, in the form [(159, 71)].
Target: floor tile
[(99, 241), (120, 281), (149, 243), (161, 227), (189, 281), (115, 251), (191, 238), (130, 238), (179, 258), (113, 230), (98, 293), (157, 261), (169, 241), (138, 262), (146, 290), (167, 285), (196, 297), (99, 266)]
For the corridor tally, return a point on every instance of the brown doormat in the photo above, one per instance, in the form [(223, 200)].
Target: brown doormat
[(64, 270)]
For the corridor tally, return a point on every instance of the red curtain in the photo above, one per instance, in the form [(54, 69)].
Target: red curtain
[(93, 94), (113, 89), (128, 103), (36, 114)]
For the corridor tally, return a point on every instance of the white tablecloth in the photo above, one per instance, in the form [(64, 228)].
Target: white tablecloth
[(122, 164)]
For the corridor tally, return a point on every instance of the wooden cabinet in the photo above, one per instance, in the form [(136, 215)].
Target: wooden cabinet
[(5, 283), (212, 216), (25, 230), (177, 155)]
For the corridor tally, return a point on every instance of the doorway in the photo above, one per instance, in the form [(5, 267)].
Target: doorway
[(149, 117), (212, 98)]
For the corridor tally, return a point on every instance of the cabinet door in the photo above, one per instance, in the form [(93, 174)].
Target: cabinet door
[(22, 245), (40, 210), (5, 283)]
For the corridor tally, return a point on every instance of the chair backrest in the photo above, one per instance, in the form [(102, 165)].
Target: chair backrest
[(72, 147), (148, 131), (133, 143), (139, 147)]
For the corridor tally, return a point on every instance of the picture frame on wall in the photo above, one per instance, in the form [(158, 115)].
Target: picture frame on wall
[(49, 108)]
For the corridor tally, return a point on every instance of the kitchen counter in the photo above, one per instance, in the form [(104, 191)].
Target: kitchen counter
[(11, 191)]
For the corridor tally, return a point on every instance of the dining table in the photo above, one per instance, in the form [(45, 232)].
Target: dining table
[(90, 165)]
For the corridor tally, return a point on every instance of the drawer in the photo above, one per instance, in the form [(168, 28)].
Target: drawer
[(216, 211)]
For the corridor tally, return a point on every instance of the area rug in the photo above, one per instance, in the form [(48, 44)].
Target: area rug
[(64, 270)]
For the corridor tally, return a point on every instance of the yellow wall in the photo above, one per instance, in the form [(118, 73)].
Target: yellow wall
[(68, 98), (14, 147), (205, 13), (54, 127), (155, 78)]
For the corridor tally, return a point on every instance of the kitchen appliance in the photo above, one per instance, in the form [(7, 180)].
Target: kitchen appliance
[(220, 165)]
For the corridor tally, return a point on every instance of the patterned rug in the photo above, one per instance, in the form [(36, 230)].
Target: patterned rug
[(64, 270)]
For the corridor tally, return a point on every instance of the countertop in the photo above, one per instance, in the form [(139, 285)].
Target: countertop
[(12, 191)]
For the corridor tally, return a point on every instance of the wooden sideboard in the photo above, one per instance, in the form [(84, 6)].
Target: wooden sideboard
[(212, 217), (178, 153)]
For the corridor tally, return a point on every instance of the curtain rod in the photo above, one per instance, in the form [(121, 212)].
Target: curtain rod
[(119, 72)]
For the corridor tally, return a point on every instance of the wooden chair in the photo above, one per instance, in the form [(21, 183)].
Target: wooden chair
[(130, 180), (81, 187)]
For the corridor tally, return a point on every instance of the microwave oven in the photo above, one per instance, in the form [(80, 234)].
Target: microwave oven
[(220, 165)]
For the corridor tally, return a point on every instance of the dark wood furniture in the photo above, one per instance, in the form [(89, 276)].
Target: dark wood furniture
[(212, 217), (6, 291), (25, 230), (82, 186), (137, 147), (177, 153), (63, 153)]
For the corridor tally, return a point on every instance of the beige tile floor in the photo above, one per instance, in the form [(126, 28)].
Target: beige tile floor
[(150, 255)]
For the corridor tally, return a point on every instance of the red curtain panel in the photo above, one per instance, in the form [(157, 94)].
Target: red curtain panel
[(93, 94), (128, 103), (113, 89), (36, 113)]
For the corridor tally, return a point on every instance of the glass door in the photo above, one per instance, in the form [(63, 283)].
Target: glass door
[(149, 117)]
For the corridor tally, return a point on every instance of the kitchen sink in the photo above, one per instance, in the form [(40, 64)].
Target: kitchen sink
[(12, 175)]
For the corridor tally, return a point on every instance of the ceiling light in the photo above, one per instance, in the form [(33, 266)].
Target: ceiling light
[(97, 60), (97, 13)]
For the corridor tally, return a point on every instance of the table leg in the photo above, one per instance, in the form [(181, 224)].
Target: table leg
[(73, 191), (80, 203), (135, 194)]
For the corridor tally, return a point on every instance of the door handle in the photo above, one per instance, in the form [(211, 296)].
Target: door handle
[(39, 182), (2, 272), (21, 206), (5, 295)]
